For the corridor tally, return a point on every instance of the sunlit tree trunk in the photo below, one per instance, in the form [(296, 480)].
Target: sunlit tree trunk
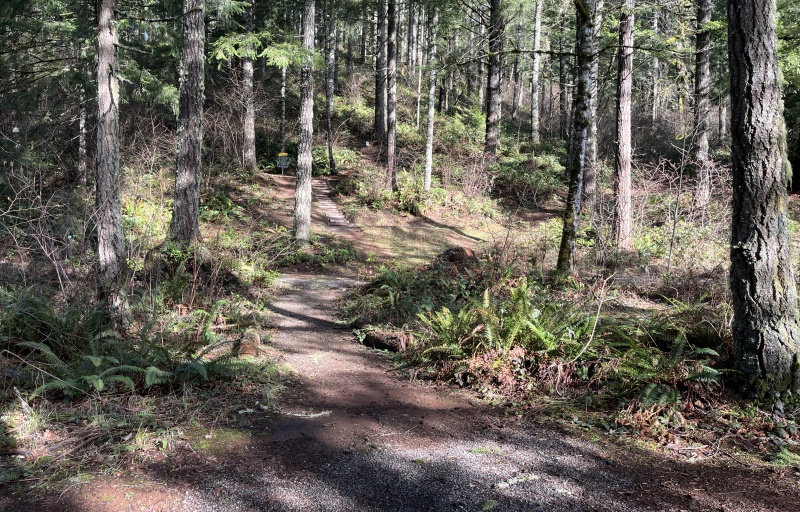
[(330, 82), (184, 227), (702, 85), (622, 166), (494, 99), (391, 97), (516, 74), (380, 73), (766, 331), (434, 21), (110, 236), (302, 207), (581, 122), (537, 59), (249, 145), (82, 152)]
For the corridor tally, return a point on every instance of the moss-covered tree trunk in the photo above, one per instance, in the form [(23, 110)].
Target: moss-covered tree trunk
[(581, 120), (494, 98), (184, 227), (766, 331)]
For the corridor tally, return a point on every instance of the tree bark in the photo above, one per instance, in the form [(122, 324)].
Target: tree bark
[(434, 21), (391, 97), (563, 127), (184, 227), (581, 121), (494, 98), (766, 330), (537, 59), (110, 236), (516, 74), (702, 85), (622, 165), (590, 173), (330, 82), (380, 74), (82, 159), (249, 162), (302, 205), (655, 72)]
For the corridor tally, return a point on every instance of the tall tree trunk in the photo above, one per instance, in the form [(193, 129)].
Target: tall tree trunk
[(418, 58), (702, 85), (481, 68), (380, 74), (82, 161), (622, 165), (249, 146), (391, 98), (655, 72), (590, 173), (302, 205), (516, 75), (411, 43), (494, 98), (433, 22), (330, 81), (110, 236), (563, 127), (184, 227), (537, 59), (470, 70), (581, 122), (766, 330), (350, 57)]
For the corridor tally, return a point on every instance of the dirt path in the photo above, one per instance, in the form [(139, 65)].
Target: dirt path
[(350, 435), (354, 437)]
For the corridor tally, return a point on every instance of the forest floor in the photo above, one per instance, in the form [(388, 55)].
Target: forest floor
[(350, 434)]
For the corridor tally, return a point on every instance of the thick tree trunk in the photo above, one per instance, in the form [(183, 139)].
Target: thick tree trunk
[(302, 205), (590, 172), (249, 146), (330, 82), (537, 59), (184, 227), (766, 330), (702, 85), (110, 236), (391, 98), (494, 98), (380, 74), (434, 20), (622, 165), (581, 122)]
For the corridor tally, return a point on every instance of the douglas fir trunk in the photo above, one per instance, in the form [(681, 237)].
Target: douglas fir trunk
[(766, 332)]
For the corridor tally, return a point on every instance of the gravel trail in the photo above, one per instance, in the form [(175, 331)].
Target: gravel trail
[(352, 437)]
